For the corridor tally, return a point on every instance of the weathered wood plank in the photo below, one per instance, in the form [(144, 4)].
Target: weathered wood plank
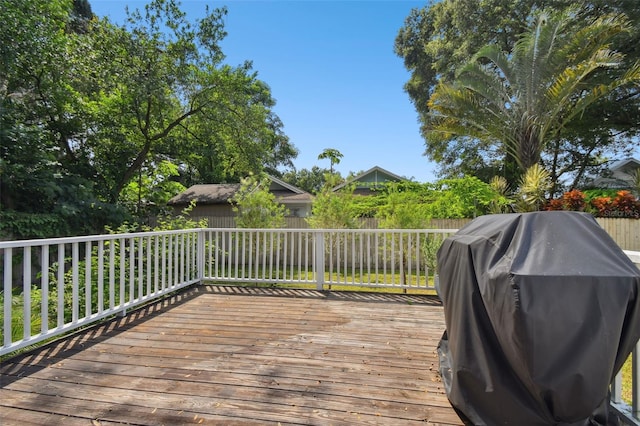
[(220, 355)]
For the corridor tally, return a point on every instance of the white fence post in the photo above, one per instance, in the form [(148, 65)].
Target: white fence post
[(318, 263)]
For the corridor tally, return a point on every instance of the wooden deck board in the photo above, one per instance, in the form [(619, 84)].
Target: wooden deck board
[(230, 355)]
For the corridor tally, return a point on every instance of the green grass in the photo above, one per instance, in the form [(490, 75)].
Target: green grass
[(627, 381), (388, 283)]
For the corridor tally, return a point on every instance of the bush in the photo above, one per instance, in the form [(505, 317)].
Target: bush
[(623, 204)]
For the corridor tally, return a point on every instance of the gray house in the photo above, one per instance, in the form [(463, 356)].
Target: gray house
[(213, 199), (621, 175)]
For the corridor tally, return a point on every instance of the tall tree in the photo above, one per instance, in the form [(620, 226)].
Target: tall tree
[(519, 102), (311, 181), (88, 107), (333, 155), (437, 40)]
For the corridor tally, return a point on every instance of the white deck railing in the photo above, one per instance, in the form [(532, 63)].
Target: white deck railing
[(57, 285), (53, 286)]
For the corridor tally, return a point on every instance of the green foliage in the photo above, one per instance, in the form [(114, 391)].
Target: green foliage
[(148, 195), (15, 225), (94, 116), (500, 203), (333, 155), (465, 197), (403, 209), (333, 209), (520, 101), (438, 40), (311, 181), (533, 188), (17, 313), (255, 206)]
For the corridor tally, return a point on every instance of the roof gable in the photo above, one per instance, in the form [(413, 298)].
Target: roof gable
[(372, 178), (627, 166)]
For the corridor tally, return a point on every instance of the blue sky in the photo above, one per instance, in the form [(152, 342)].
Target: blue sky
[(333, 72)]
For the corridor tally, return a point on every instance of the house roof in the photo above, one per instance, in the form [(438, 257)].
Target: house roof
[(628, 165), (371, 178), (220, 193), (621, 175)]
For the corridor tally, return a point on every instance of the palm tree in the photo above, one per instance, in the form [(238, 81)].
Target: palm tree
[(333, 155), (520, 101)]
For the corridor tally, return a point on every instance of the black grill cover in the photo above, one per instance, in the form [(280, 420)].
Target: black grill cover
[(541, 311)]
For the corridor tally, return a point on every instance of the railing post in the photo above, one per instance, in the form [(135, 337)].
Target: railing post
[(635, 391), (616, 388), (319, 260), (8, 287)]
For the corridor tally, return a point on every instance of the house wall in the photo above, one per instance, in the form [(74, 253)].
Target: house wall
[(298, 210), (207, 210)]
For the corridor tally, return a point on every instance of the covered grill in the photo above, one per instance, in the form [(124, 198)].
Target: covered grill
[(541, 311)]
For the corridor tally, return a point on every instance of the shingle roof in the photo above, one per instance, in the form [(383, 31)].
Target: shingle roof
[(220, 193), (206, 194)]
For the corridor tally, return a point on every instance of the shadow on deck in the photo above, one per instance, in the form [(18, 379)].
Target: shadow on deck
[(240, 355)]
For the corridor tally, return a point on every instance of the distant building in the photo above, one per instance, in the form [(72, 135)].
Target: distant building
[(213, 199), (619, 176), (367, 182)]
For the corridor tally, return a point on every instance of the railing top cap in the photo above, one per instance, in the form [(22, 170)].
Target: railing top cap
[(109, 237)]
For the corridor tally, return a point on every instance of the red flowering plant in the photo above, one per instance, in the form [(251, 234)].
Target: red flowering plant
[(602, 206), (624, 205), (555, 204), (573, 200), (627, 205)]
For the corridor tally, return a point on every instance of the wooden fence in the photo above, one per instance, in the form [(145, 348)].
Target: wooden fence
[(625, 232)]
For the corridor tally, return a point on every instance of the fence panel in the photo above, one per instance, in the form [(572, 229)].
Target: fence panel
[(625, 232)]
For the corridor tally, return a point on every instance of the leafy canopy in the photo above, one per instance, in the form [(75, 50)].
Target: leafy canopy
[(438, 40), (519, 102)]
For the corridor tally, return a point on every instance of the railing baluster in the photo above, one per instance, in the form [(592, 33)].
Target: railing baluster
[(148, 239), (60, 287), (132, 270), (319, 250), (44, 286), (112, 274), (87, 278), (635, 387), (100, 276), (74, 282), (123, 283), (26, 292), (8, 292), (156, 263), (165, 259)]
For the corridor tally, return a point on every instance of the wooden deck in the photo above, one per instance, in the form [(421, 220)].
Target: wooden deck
[(232, 355)]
